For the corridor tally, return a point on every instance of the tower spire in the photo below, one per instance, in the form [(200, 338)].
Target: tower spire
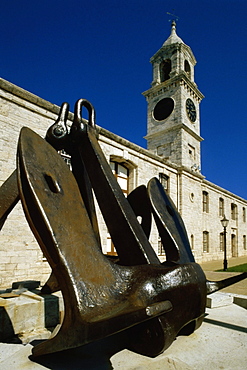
[(173, 38)]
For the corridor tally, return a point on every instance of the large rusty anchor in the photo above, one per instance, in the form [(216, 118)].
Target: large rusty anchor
[(156, 301), (101, 298), (152, 337)]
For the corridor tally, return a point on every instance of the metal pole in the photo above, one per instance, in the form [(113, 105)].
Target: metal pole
[(225, 259)]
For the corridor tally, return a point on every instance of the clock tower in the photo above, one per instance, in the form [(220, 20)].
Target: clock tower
[(173, 128)]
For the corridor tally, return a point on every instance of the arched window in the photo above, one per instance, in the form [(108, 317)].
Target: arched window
[(165, 69), (187, 68), (234, 211)]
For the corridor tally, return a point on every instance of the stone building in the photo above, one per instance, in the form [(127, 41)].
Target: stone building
[(173, 155)]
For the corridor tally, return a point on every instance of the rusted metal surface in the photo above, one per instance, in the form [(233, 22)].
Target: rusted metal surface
[(117, 212), (134, 248), (151, 301), (101, 298)]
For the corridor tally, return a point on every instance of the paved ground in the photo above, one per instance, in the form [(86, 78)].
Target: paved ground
[(217, 265), (220, 343), (210, 269)]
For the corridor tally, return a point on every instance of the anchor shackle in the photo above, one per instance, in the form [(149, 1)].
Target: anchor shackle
[(78, 119)]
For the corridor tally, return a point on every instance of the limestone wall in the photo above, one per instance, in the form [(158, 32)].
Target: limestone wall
[(20, 256), (197, 221)]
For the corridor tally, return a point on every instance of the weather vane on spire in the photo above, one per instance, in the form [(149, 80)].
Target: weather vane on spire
[(174, 17)]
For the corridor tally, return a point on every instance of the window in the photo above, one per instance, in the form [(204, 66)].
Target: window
[(187, 68), (221, 207), (164, 180), (66, 158), (221, 242), (192, 152), (161, 249), (192, 241), (244, 242), (110, 249), (234, 245), (205, 201), (165, 69), (233, 211), (244, 214), (122, 175), (205, 241)]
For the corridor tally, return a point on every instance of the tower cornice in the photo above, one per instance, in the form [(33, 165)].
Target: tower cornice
[(174, 128), (181, 79), (166, 49)]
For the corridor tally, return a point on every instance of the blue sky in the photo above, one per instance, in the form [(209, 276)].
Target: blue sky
[(100, 50)]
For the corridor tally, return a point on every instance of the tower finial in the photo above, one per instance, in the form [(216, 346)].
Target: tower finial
[(173, 38), (173, 20), (173, 27)]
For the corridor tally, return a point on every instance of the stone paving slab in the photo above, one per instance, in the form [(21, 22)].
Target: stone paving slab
[(220, 343), (238, 288), (219, 299)]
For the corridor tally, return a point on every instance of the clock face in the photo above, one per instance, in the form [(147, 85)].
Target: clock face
[(191, 110), (163, 109)]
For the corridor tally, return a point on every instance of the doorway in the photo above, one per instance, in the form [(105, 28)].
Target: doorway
[(234, 245)]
